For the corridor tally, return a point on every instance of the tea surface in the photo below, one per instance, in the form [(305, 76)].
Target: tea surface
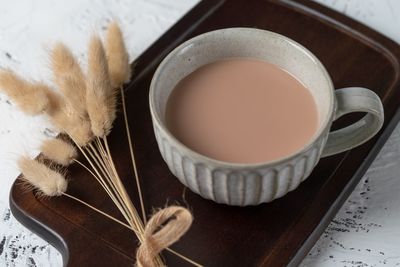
[(242, 110)]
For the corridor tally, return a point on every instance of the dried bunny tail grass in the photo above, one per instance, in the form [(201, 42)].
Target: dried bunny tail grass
[(77, 128), (100, 99), (80, 132), (58, 111), (117, 56), (29, 97), (54, 99), (59, 151), (69, 77), (67, 120), (46, 180)]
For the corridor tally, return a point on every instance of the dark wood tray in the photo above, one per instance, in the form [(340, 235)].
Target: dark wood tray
[(274, 234)]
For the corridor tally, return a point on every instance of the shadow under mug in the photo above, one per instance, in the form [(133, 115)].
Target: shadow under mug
[(252, 184)]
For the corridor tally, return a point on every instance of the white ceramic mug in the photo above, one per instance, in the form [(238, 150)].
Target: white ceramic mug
[(251, 184)]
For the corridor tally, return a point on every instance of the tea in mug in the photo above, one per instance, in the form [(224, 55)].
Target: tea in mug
[(242, 110)]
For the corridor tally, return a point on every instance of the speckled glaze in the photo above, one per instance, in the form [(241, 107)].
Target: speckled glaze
[(252, 184)]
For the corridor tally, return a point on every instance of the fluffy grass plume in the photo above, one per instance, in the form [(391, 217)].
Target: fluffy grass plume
[(29, 97), (67, 120), (59, 151), (80, 131), (117, 56), (101, 108), (55, 101), (69, 112), (69, 77), (77, 128), (40, 176)]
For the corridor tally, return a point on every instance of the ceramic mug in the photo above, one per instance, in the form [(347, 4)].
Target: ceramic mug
[(252, 184)]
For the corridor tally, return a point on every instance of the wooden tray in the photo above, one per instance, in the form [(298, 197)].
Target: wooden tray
[(275, 234)]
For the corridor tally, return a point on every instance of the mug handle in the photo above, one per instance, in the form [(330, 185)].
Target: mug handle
[(355, 99)]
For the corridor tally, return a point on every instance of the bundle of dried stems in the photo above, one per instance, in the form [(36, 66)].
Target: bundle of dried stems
[(84, 110)]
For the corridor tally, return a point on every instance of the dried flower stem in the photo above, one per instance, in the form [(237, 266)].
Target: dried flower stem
[(86, 168), (99, 157), (98, 210), (133, 156), (100, 180), (129, 203), (124, 224)]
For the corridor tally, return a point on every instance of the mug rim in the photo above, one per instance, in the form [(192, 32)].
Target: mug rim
[(224, 164)]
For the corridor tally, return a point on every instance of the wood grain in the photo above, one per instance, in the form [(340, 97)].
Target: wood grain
[(271, 234)]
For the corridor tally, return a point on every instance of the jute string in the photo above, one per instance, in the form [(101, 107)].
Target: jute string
[(163, 229), (156, 236), (129, 227)]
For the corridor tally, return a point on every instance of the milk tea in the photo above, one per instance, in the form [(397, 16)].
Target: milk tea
[(242, 110)]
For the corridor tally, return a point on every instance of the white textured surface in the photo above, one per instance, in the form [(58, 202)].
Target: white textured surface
[(364, 233)]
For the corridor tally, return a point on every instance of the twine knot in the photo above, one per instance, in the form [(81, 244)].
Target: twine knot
[(163, 229)]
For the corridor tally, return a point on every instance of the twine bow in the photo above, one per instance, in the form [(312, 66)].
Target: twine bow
[(163, 229)]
